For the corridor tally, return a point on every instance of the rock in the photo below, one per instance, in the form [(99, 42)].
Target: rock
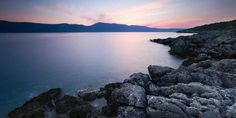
[(82, 111), (192, 111), (131, 112), (139, 79), (88, 94), (107, 90), (224, 65), (188, 89), (231, 111), (153, 89), (110, 110), (211, 114), (36, 106), (167, 41), (156, 72), (199, 58), (69, 103), (180, 96), (187, 75), (129, 94), (162, 107), (216, 44)]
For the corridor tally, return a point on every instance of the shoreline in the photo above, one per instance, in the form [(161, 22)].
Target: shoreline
[(203, 86)]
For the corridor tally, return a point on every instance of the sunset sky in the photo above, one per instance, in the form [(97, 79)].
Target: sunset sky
[(154, 13)]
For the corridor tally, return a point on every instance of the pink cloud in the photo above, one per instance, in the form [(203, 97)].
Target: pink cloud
[(138, 14), (93, 19)]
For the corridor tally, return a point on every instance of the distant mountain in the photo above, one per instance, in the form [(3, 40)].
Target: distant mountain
[(18, 27), (227, 25)]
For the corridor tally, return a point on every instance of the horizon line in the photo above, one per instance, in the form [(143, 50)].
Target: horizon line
[(91, 24)]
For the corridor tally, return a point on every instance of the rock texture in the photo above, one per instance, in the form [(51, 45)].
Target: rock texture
[(204, 86), (203, 46)]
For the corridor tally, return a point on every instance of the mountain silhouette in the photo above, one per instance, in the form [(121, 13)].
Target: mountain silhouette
[(18, 27)]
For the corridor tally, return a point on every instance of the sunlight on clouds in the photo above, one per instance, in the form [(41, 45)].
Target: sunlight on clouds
[(155, 13)]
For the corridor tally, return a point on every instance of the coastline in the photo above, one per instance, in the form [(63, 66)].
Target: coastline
[(203, 86)]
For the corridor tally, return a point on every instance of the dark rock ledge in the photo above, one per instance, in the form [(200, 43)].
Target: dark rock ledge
[(203, 87)]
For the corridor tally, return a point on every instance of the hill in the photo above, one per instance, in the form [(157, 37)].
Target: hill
[(227, 25), (20, 27)]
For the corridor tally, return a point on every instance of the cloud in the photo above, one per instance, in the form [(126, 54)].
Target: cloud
[(155, 13), (94, 19), (139, 14)]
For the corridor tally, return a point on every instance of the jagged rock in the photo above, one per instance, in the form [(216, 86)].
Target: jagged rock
[(216, 44), (162, 107), (67, 103), (199, 58), (36, 107), (153, 89), (129, 94), (167, 41), (231, 111), (187, 75), (224, 65), (83, 111), (107, 90), (131, 112), (139, 79), (156, 72), (211, 114), (88, 94)]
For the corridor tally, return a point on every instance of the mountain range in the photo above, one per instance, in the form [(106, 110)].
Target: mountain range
[(21, 27)]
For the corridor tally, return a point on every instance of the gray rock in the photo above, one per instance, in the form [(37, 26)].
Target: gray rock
[(88, 94), (156, 72), (188, 74), (211, 114), (153, 89), (164, 108), (216, 44), (231, 111), (129, 94), (131, 112), (224, 65), (139, 79), (69, 103)]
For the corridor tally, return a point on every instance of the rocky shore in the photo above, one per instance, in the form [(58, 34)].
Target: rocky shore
[(203, 46), (204, 86)]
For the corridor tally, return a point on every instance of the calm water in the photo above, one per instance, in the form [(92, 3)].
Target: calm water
[(34, 62)]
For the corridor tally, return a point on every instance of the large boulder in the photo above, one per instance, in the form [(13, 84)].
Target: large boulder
[(129, 94)]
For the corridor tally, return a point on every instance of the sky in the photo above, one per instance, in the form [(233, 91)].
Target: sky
[(152, 13)]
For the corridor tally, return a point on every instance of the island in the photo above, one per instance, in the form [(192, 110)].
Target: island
[(204, 86)]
